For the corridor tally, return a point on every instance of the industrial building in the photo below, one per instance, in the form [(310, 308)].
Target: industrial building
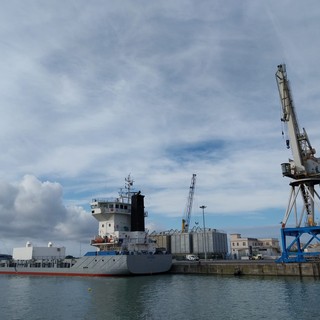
[(211, 243)]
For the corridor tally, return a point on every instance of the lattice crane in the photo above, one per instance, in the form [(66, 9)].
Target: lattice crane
[(187, 214)]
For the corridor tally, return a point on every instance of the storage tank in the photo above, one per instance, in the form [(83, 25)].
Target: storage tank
[(216, 243), (181, 243)]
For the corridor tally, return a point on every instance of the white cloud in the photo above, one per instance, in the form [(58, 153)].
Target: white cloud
[(34, 210)]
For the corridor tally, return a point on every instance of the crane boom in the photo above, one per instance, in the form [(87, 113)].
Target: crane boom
[(304, 163), (187, 215)]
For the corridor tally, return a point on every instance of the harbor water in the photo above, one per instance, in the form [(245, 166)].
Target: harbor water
[(158, 297)]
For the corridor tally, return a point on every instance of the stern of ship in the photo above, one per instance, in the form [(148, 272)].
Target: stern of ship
[(149, 263)]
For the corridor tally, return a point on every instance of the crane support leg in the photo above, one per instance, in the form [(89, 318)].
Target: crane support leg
[(301, 243), (295, 242)]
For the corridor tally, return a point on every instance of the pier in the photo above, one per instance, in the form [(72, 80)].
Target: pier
[(250, 268)]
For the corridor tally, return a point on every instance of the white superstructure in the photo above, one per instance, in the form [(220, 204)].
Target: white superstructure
[(121, 223), (30, 252)]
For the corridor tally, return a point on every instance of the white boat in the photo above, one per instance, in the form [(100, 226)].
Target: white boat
[(122, 246)]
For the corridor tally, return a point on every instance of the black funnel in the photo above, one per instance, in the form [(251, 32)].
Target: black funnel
[(137, 212)]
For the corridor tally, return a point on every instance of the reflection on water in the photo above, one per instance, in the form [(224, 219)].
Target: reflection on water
[(158, 297)]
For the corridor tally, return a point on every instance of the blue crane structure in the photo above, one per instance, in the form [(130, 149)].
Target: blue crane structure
[(300, 233)]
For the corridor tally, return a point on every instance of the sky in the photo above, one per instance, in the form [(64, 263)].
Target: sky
[(92, 91)]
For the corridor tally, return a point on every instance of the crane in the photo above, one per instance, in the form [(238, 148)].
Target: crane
[(187, 214), (304, 169), (304, 163)]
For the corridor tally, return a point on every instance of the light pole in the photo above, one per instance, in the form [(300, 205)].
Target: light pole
[(204, 234)]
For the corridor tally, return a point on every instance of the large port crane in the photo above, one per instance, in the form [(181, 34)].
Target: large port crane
[(304, 163), (304, 169), (187, 214)]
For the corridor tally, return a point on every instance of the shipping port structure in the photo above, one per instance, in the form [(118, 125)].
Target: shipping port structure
[(205, 243), (201, 242), (299, 228)]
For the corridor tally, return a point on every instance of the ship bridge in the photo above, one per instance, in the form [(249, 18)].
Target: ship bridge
[(103, 209)]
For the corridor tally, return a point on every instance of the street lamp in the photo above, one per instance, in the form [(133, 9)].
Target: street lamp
[(204, 233)]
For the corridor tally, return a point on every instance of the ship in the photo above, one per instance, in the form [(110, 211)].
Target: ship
[(122, 246)]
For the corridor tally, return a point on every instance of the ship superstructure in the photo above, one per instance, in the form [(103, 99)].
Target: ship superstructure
[(122, 223)]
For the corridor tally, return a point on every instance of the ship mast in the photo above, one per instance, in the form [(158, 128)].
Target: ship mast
[(125, 196)]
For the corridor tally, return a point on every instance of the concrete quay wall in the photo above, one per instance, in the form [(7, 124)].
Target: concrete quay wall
[(257, 268)]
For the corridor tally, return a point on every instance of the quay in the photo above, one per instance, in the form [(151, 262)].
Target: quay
[(244, 267)]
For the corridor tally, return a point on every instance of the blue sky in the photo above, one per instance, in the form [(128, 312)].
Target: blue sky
[(94, 90)]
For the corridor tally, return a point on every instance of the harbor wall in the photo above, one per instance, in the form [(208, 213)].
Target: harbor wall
[(310, 269)]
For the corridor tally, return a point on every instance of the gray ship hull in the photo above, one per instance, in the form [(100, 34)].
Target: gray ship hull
[(111, 265)]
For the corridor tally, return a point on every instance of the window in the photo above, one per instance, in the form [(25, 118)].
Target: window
[(111, 206)]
